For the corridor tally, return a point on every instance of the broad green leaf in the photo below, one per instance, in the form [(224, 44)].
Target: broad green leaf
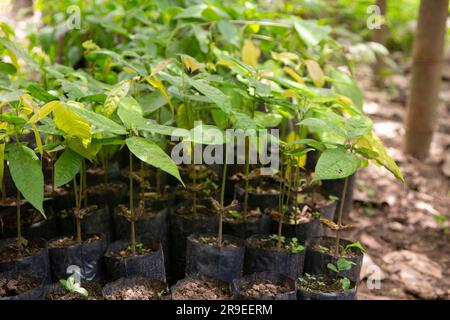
[(26, 172), (322, 126), (213, 94), (372, 142), (358, 126), (336, 163), (7, 68), (310, 32), (117, 93), (250, 53), (347, 86), (151, 153), (141, 71), (267, 120), (130, 112), (88, 151), (40, 94), (229, 31), (66, 167), (19, 52), (12, 119), (345, 284), (71, 123), (357, 245), (315, 72)]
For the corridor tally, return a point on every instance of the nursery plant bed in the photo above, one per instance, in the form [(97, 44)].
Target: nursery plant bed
[(321, 251), (96, 220), (148, 261), (34, 259), (184, 222), (264, 286), (324, 288), (256, 222), (65, 251), (299, 223), (136, 288), (57, 292), (205, 257), (201, 288), (263, 254), (20, 286)]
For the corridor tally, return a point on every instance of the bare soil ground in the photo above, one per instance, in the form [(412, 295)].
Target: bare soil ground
[(405, 228)]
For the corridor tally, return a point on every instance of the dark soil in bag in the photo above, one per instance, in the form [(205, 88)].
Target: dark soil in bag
[(264, 195), (34, 225), (264, 286), (201, 288), (304, 227), (56, 291), (88, 256), (205, 257), (153, 224), (183, 222), (320, 252), (96, 221), (20, 286), (136, 288), (324, 288), (148, 262), (256, 223), (33, 260), (112, 194), (262, 254)]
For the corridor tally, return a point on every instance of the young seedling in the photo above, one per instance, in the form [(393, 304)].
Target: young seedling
[(73, 287)]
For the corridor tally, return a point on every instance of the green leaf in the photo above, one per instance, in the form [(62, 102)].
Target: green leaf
[(320, 126), (12, 119), (141, 71), (344, 264), (309, 142), (345, 284), (267, 120), (229, 32), (310, 32), (336, 163), (66, 167), (118, 92), (40, 94), (19, 52), (347, 86), (130, 112), (358, 126), (332, 267), (26, 172), (213, 94), (7, 68), (151, 153), (357, 245)]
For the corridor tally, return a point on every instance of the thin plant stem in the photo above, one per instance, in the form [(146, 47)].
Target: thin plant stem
[(247, 171), (84, 185), (222, 202), (132, 214), (341, 209), (19, 223)]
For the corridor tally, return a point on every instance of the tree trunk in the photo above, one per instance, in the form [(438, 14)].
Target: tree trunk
[(379, 35), (426, 77)]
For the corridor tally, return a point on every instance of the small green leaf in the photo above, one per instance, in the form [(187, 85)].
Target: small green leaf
[(345, 284), (332, 267), (118, 92), (357, 245), (310, 32), (344, 264), (130, 112)]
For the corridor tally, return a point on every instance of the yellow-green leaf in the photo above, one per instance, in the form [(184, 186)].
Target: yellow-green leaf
[(372, 142), (293, 74), (72, 124), (37, 137), (157, 84), (118, 92), (250, 53), (316, 73), (44, 111)]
